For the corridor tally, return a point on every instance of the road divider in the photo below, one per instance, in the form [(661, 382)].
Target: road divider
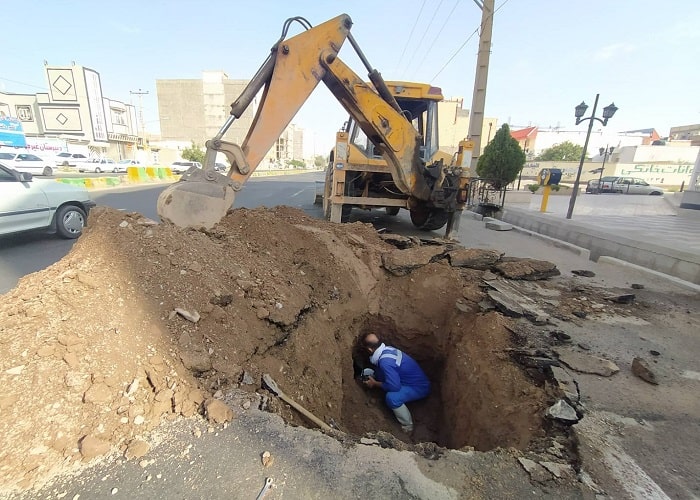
[(146, 175)]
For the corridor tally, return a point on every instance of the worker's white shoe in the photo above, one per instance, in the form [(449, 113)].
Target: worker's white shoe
[(403, 415)]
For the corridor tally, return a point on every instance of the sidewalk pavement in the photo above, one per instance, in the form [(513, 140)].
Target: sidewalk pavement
[(647, 231)]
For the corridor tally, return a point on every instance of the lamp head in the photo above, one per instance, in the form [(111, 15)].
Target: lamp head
[(580, 110), (608, 112)]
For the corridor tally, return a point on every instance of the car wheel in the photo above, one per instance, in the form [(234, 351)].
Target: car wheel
[(70, 221), (655, 193), (98, 170), (65, 164), (47, 171)]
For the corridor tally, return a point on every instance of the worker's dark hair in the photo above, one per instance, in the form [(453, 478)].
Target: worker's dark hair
[(371, 344)]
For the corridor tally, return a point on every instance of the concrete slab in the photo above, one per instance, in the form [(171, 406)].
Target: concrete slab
[(497, 225)]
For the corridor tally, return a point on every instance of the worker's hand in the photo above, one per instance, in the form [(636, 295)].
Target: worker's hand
[(370, 382)]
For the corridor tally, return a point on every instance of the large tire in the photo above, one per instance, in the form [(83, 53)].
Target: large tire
[(70, 221), (392, 210), (429, 219), (47, 171)]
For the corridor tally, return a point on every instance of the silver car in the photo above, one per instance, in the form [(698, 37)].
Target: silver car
[(41, 204), (633, 185)]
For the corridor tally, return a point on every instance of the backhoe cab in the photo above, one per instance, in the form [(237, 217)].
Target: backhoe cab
[(388, 155), (358, 175)]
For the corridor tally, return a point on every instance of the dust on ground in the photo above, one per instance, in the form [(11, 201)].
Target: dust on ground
[(142, 323)]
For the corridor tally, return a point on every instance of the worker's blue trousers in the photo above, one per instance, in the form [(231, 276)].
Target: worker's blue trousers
[(395, 399)]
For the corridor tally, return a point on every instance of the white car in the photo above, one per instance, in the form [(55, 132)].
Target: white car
[(122, 165), (98, 165), (180, 167), (32, 204), (70, 159), (633, 185), (25, 162)]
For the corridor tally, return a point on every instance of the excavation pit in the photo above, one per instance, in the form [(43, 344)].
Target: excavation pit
[(196, 316)]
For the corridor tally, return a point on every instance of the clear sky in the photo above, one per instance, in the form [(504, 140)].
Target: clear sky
[(547, 55)]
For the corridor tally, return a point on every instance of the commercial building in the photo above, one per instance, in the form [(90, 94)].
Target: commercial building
[(75, 116)]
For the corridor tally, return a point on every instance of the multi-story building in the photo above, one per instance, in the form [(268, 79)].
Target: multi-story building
[(74, 115), (192, 110), (453, 125)]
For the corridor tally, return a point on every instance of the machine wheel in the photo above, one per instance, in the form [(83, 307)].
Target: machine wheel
[(70, 221), (47, 171), (392, 210), (429, 219)]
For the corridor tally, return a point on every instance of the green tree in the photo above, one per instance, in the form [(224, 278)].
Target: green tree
[(565, 151), (296, 163), (193, 153), (502, 159), (319, 160)]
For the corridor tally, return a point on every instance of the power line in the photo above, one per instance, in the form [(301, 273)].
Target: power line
[(430, 23), (410, 35), (466, 41), (449, 16), (22, 83)]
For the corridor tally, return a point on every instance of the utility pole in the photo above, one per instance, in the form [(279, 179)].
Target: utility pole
[(476, 114), (141, 93)]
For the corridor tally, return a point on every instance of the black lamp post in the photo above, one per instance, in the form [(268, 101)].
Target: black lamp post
[(604, 152), (608, 112)]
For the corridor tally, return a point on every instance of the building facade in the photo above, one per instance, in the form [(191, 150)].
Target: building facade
[(453, 125), (192, 110), (74, 116)]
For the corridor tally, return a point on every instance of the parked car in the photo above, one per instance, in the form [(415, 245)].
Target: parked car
[(25, 162), (220, 167), (606, 183), (122, 165), (66, 159), (98, 165), (179, 167), (41, 204), (633, 185)]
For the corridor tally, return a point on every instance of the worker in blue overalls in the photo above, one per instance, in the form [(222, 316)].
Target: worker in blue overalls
[(397, 374)]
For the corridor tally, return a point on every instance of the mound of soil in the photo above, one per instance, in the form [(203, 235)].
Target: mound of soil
[(142, 322)]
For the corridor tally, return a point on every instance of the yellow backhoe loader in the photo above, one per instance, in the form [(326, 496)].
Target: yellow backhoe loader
[(387, 155)]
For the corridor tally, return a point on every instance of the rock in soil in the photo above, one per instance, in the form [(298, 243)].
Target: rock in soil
[(642, 370)]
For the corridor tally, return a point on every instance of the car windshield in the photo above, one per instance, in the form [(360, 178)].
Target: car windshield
[(7, 156), (124, 161), (63, 155)]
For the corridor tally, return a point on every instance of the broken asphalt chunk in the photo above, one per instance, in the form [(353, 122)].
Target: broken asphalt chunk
[(562, 412), (585, 363), (583, 272), (642, 370), (625, 298)]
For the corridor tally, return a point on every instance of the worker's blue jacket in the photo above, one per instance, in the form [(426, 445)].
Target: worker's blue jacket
[(396, 369)]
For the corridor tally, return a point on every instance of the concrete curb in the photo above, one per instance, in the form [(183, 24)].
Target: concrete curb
[(677, 281), (583, 252), (666, 260)]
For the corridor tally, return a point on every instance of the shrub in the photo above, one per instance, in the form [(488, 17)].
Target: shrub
[(533, 187)]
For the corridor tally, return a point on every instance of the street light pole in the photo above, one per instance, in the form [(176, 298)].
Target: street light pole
[(608, 113), (605, 152)]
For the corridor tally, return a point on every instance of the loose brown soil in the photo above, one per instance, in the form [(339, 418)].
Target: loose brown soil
[(94, 354)]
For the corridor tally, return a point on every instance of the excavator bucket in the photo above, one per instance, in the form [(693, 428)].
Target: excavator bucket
[(199, 200)]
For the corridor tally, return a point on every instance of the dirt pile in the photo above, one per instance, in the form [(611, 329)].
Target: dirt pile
[(142, 322)]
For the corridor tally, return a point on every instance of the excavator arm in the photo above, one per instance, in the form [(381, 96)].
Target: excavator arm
[(287, 78)]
